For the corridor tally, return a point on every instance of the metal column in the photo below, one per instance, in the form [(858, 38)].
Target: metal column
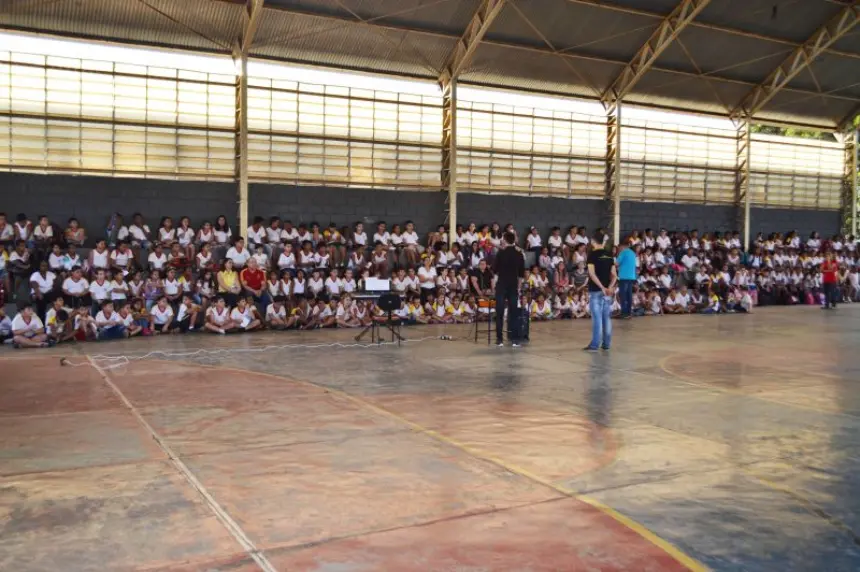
[(241, 163), (743, 197), (612, 192), (849, 183), (449, 153)]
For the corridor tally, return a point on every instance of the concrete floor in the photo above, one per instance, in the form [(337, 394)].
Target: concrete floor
[(726, 442)]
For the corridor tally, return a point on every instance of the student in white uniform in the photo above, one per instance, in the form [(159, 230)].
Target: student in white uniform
[(276, 314), (76, 289), (99, 291), (160, 317), (28, 331), (243, 318), (157, 259), (239, 254), (185, 236), (109, 323), (42, 284), (186, 317), (218, 318)]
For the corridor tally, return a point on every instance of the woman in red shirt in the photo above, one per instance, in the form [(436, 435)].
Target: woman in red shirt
[(830, 273)]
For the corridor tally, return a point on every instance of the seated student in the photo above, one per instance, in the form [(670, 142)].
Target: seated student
[(361, 313), (326, 314), (257, 235), (333, 285), (218, 318), (157, 259), (640, 301), (316, 284), (186, 316), (344, 316), (28, 331), (62, 326), (85, 325), (204, 260), (42, 284), (459, 314), (76, 289), (122, 259), (238, 253), (276, 314), (136, 285), (562, 307), (540, 309), (126, 318), (161, 317), (713, 303), (75, 234), (303, 314), (654, 305), (243, 317), (675, 303), (172, 289), (99, 291), (177, 259), (109, 323), (261, 258), (287, 260), (166, 233)]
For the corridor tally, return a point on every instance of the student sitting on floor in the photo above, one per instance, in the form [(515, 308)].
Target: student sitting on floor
[(160, 317), (243, 317), (187, 316), (28, 331), (276, 314), (109, 323), (218, 318), (126, 317)]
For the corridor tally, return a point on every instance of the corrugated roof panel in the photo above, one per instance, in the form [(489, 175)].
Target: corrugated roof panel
[(790, 19), (506, 67), (441, 15), (314, 40), (189, 24), (734, 57), (836, 74), (673, 90), (795, 107), (579, 28)]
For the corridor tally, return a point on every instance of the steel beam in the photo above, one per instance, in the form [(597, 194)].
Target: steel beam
[(449, 153), (849, 183), (665, 33), (743, 197), (799, 59), (612, 192), (465, 47), (253, 13)]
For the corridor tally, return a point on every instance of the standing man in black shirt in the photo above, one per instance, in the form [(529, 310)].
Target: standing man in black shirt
[(509, 267), (602, 277)]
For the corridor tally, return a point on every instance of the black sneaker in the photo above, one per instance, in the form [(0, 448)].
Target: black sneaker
[(589, 349), (605, 348)]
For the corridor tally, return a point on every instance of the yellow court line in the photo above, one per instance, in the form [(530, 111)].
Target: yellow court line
[(664, 545)]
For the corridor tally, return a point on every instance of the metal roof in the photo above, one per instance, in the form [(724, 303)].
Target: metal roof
[(562, 47)]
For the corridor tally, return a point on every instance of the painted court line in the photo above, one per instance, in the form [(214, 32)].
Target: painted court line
[(231, 525), (681, 557)]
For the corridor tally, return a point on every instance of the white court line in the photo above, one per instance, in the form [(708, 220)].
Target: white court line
[(231, 525)]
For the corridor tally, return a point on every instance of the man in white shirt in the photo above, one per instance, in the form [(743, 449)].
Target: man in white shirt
[(109, 323), (257, 235), (28, 331), (239, 254)]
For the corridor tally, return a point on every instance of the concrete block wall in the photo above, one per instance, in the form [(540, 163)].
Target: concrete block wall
[(542, 212), (676, 216), (93, 199), (827, 223), (347, 206)]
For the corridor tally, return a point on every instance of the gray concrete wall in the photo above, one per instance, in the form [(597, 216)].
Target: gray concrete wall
[(676, 216), (92, 199), (346, 206), (803, 221)]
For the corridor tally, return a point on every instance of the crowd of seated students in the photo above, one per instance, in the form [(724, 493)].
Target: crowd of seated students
[(177, 279)]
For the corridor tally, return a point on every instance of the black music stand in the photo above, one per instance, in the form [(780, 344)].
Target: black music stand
[(387, 303)]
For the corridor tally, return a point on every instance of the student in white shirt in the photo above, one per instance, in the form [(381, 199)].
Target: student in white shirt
[(122, 257), (109, 323), (76, 289), (186, 236), (333, 284), (157, 259), (276, 314), (186, 316), (381, 236), (28, 331), (218, 318), (410, 244), (99, 291), (243, 318), (359, 237), (257, 235), (160, 317), (42, 283), (534, 242)]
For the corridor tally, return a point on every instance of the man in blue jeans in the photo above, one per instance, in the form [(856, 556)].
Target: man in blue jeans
[(626, 261), (602, 277)]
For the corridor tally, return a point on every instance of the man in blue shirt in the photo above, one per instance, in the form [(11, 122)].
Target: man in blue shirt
[(626, 261)]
